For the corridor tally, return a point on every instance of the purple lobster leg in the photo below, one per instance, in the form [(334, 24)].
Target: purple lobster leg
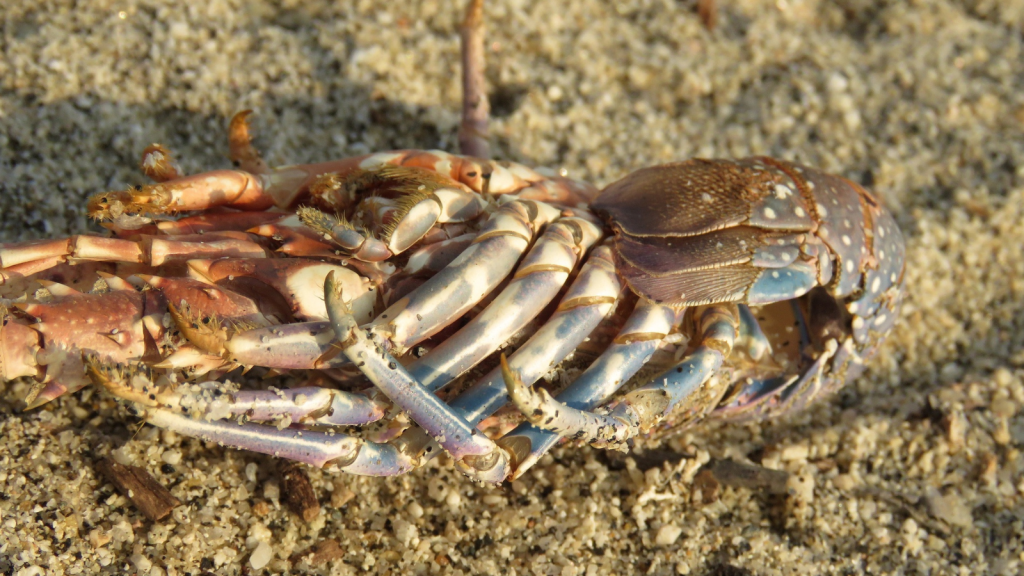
[(349, 454), (640, 337), (308, 405), (682, 388)]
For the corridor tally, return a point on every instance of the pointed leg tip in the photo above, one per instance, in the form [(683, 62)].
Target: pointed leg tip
[(37, 402)]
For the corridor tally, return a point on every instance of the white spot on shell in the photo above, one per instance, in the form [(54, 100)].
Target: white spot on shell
[(880, 319), (858, 323), (707, 197), (799, 212), (876, 284), (822, 211), (775, 274), (769, 213), (849, 266), (782, 192), (846, 240)]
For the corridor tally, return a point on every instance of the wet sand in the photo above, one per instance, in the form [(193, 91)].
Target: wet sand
[(915, 468)]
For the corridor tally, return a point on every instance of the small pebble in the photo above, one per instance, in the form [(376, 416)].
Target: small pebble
[(950, 508), (172, 457), (261, 556), (667, 535)]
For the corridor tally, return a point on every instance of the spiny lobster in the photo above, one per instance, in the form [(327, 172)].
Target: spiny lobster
[(704, 288)]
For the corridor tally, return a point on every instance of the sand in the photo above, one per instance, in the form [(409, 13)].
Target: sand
[(915, 468)]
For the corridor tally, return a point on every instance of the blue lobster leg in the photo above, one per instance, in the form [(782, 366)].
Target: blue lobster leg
[(477, 455), (750, 338), (777, 284), (682, 388), (644, 331)]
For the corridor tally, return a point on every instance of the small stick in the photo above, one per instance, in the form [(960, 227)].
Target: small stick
[(148, 495), (298, 490), (708, 12), (475, 107)]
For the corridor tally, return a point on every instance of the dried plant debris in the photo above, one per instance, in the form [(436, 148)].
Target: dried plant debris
[(148, 495), (297, 491)]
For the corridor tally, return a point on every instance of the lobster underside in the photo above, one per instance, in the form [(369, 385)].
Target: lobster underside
[(704, 289), (415, 299)]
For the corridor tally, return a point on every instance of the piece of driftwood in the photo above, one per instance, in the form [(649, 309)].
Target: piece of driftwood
[(148, 495), (297, 491)]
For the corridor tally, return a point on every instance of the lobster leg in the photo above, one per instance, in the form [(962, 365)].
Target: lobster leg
[(33, 257), (750, 338), (348, 453), (475, 107), (311, 405), (680, 388), (645, 330), (297, 282), (427, 309), (296, 346), (477, 455), (589, 300), (462, 284), (591, 297), (537, 280)]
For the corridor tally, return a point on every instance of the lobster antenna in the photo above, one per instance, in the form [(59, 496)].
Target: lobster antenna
[(475, 107)]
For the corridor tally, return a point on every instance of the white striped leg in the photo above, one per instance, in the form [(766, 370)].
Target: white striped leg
[(589, 300), (681, 388), (537, 280), (644, 332), (466, 281), (474, 453)]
